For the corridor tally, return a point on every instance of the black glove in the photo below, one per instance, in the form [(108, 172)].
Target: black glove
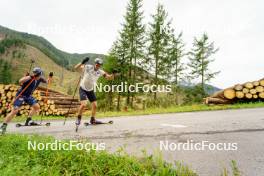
[(85, 60), (51, 74), (115, 71)]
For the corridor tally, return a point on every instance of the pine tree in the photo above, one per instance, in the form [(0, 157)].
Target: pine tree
[(158, 40), (117, 61), (6, 74), (133, 35), (176, 54), (200, 58)]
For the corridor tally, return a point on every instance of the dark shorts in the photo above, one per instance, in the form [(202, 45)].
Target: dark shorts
[(29, 100), (84, 95)]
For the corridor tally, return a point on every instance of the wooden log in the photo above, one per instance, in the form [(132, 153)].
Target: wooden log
[(49, 90), (229, 94), (3, 97), (261, 95), (238, 87), (253, 91), (50, 102), (256, 83), (9, 94), (66, 106), (249, 85), (52, 107), (7, 87), (60, 98), (245, 90), (65, 102), (260, 89), (72, 109), (255, 96), (248, 95), (240, 94), (210, 100), (13, 94), (261, 82)]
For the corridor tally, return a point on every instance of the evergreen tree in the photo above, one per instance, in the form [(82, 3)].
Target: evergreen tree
[(132, 36), (6, 73), (176, 54), (200, 58), (158, 40)]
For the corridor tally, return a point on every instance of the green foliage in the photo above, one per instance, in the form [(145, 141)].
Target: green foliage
[(176, 54), (16, 159), (194, 94), (200, 58), (158, 39), (131, 42), (7, 43), (235, 169), (5, 72), (60, 57)]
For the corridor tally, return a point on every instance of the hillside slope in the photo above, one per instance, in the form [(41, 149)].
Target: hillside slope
[(60, 57), (19, 58)]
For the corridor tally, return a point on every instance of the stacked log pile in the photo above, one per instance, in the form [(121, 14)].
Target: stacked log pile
[(51, 103), (249, 91)]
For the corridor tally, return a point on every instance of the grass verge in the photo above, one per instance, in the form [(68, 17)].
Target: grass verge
[(16, 159), (149, 111)]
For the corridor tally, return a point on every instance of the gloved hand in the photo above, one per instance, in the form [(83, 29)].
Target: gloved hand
[(115, 71), (51, 74), (85, 60)]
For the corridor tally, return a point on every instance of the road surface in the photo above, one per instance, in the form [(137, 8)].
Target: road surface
[(242, 128)]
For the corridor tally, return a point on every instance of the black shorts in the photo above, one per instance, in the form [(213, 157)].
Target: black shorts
[(84, 95)]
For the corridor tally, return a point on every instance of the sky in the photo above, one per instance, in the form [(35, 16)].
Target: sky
[(82, 26)]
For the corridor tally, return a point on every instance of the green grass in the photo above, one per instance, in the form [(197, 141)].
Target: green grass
[(179, 109), (172, 109), (16, 159)]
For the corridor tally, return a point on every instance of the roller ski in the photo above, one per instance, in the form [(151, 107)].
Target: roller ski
[(97, 122), (32, 124), (29, 123)]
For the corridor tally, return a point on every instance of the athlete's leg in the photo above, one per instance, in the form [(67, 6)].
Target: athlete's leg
[(34, 110), (9, 117)]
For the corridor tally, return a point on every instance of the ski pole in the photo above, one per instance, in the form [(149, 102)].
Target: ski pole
[(32, 62), (22, 91), (66, 116), (46, 93)]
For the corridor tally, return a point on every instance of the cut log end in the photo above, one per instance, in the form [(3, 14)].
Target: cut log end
[(229, 94)]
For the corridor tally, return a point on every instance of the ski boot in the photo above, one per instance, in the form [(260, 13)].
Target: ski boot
[(3, 129), (30, 122)]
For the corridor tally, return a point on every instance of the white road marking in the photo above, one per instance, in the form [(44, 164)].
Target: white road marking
[(173, 125)]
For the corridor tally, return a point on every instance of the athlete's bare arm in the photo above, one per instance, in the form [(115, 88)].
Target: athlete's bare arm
[(24, 79)]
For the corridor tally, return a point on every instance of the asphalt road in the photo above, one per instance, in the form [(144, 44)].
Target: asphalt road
[(243, 129)]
